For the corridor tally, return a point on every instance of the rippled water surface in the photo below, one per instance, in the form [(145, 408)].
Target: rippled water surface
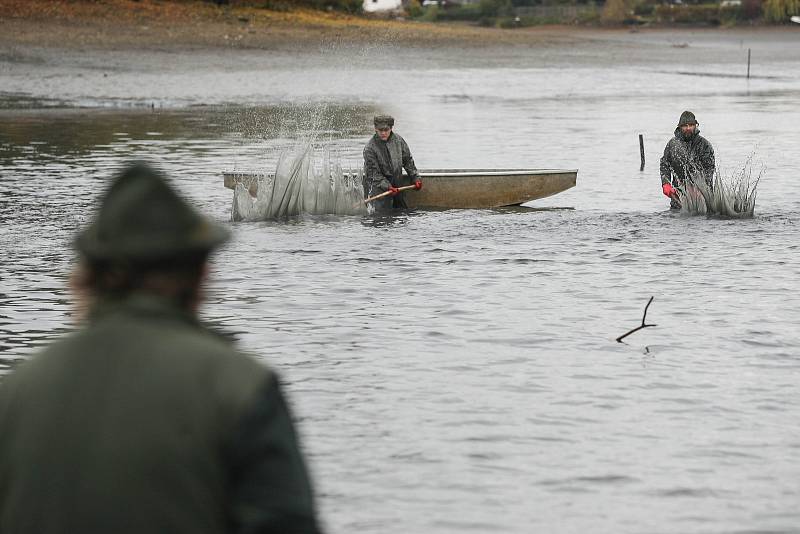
[(456, 370)]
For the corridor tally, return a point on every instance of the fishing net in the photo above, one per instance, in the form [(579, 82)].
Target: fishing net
[(300, 186), (732, 195)]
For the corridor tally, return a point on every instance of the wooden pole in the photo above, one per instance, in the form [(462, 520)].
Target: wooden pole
[(748, 63), (641, 150), (387, 193)]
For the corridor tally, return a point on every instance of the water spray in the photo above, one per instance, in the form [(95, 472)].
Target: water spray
[(301, 185), (725, 196)]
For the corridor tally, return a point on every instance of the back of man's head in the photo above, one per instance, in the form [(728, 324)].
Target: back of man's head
[(145, 237)]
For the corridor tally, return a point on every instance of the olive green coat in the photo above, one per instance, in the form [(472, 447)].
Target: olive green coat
[(685, 160), (384, 162), (146, 422)]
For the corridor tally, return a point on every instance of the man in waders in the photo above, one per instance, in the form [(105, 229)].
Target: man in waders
[(385, 157), (144, 420), (688, 158)]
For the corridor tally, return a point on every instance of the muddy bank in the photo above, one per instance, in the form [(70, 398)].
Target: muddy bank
[(47, 32), (148, 24), (120, 53)]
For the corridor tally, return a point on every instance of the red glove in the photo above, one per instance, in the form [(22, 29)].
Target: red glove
[(393, 190), (669, 191), (418, 185)]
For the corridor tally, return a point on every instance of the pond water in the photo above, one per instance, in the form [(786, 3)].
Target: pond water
[(457, 370)]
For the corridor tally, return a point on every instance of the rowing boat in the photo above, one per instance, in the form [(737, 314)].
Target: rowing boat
[(462, 188)]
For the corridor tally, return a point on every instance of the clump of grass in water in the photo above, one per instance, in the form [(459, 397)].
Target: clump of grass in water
[(733, 196), (298, 186)]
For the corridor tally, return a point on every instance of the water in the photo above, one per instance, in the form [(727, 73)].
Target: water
[(456, 371)]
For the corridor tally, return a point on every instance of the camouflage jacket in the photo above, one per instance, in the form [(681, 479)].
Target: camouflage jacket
[(384, 163), (145, 421), (687, 159)]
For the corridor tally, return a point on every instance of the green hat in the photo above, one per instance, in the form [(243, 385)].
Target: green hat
[(687, 117), (383, 121), (142, 219)]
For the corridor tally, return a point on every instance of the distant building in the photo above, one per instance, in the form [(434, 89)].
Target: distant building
[(450, 3), (393, 6), (382, 6)]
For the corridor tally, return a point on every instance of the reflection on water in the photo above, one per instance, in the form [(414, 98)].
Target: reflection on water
[(38, 134), (18, 101), (456, 370), (383, 220)]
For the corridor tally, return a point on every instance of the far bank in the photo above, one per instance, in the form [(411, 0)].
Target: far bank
[(148, 24)]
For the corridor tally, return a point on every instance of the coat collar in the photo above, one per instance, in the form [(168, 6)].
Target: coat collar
[(141, 304)]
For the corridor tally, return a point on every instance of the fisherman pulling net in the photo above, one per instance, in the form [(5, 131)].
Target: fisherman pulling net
[(299, 185), (690, 178)]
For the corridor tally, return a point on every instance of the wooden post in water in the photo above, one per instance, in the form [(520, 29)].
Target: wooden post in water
[(748, 63), (641, 150)]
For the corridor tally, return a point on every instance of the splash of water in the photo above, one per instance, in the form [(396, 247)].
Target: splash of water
[(731, 195), (300, 186)]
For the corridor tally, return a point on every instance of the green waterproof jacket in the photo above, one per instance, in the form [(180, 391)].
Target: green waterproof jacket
[(687, 159), (146, 422), (384, 162)]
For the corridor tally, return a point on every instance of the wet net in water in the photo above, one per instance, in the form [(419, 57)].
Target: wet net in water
[(730, 196), (300, 186)]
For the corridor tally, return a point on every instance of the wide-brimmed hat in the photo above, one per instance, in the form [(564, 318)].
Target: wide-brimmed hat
[(143, 219), (687, 117), (383, 121)]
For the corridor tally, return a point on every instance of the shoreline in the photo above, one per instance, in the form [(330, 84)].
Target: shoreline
[(149, 25), (151, 54), (125, 24)]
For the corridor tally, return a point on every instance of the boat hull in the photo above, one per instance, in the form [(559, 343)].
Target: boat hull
[(469, 188)]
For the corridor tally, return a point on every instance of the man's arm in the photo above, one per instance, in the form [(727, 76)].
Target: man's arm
[(666, 167), (372, 171), (408, 162), (270, 489), (707, 161)]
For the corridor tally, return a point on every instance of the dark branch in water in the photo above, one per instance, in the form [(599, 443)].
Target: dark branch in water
[(623, 336)]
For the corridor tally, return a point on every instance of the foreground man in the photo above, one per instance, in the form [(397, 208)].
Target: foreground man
[(144, 421), (385, 157), (687, 157)]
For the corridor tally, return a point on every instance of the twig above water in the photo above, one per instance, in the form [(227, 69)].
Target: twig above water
[(643, 325)]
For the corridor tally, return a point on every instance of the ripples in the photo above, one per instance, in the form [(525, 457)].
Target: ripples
[(583, 481), (456, 370), (463, 353)]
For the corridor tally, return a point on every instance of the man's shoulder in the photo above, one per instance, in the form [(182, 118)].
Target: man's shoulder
[(193, 356), (371, 142), (169, 343), (56, 353), (36, 375), (397, 138), (204, 347), (702, 140)]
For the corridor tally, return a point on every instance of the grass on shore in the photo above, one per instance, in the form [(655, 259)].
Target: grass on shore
[(147, 23)]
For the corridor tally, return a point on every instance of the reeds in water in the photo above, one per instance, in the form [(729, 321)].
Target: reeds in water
[(729, 196), (299, 186)]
